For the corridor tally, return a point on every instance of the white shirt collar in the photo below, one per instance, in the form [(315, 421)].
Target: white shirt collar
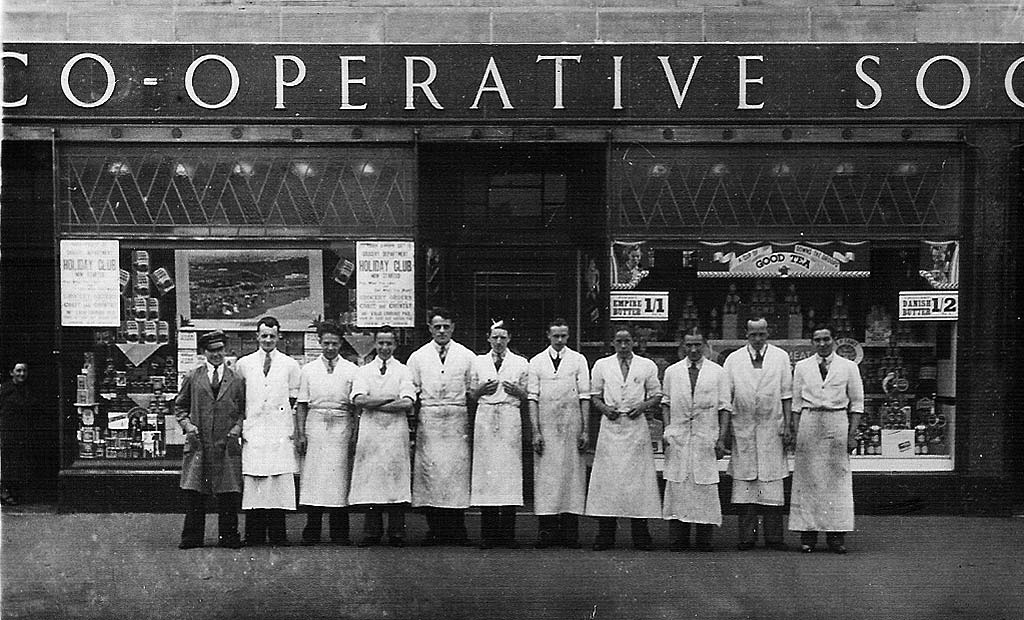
[(559, 354), (753, 351), (690, 363), (379, 361), (828, 360), (210, 367)]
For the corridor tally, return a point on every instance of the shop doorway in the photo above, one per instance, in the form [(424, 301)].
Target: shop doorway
[(505, 229)]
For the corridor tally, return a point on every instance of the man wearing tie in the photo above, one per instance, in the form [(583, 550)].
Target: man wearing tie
[(623, 482), (210, 407), (268, 449), (499, 387), (381, 474), (761, 384), (828, 401), (326, 424), (441, 371), (696, 409), (558, 390)]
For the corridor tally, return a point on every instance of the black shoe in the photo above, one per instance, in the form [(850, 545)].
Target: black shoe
[(603, 544), (643, 545), (309, 539), (544, 541), (430, 540), (488, 543), (706, 547), (230, 542), (461, 542), (679, 545), (572, 544), (806, 548), (342, 542), (838, 549), (776, 546), (369, 541), (282, 542), (190, 544), (396, 542), (510, 544), (745, 546)]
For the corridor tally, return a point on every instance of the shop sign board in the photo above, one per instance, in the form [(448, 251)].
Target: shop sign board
[(639, 306), (90, 283), (385, 283), (675, 82), (929, 305), (826, 259)]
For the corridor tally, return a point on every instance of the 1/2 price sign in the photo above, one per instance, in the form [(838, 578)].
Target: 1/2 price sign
[(639, 306), (929, 305)]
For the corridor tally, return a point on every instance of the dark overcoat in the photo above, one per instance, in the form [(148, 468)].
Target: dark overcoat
[(214, 463)]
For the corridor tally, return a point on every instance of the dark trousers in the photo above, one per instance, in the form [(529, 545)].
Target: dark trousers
[(314, 523), (831, 538), (446, 524), (772, 523), (373, 525), (679, 535), (606, 527), (263, 524), (194, 529), (498, 523), (562, 528)]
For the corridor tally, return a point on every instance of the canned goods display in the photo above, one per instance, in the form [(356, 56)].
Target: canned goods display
[(149, 332), (141, 283), (163, 281), (140, 308), (152, 308), (140, 260), (131, 331)]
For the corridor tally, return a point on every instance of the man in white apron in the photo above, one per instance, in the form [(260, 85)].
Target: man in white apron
[(762, 388), (623, 482), (559, 398), (382, 474), (499, 387), (441, 371), (828, 401), (268, 450), (696, 409), (326, 426)]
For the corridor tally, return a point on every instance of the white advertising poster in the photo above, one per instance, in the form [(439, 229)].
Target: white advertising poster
[(929, 305), (90, 294), (639, 306), (385, 283)]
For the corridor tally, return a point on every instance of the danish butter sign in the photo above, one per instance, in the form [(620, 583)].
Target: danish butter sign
[(639, 306), (929, 305), (385, 285)]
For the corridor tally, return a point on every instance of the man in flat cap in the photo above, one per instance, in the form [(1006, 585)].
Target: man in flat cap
[(210, 407)]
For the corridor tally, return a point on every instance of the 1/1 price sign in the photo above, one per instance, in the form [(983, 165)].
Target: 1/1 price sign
[(639, 306), (929, 305)]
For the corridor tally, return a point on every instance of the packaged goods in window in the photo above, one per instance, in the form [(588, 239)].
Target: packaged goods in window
[(163, 281), (140, 260), (140, 307)]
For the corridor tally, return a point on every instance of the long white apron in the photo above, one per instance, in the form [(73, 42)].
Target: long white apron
[(559, 473), (326, 466), (623, 482), (382, 472), (497, 456), (822, 498), (441, 476)]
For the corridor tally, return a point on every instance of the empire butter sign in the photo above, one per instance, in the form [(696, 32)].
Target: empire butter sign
[(542, 82)]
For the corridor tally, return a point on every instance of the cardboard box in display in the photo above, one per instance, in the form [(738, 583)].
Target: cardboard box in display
[(897, 443)]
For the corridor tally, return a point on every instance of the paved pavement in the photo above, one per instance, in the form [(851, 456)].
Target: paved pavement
[(110, 566)]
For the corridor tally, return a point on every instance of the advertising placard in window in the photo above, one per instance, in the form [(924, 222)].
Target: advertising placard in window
[(386, 290), (89, 283)]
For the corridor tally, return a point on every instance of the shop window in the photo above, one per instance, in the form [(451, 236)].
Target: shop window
[(891, 304)]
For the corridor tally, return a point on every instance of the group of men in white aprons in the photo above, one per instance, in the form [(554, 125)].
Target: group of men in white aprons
[(461, 461)]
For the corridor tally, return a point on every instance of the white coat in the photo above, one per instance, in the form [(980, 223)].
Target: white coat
[(330, 426), (441, 467), (497, 478), (822, 497), (757, 418), (623, 482), (693, 430), (268, 449), (559, 472), (382, 471)]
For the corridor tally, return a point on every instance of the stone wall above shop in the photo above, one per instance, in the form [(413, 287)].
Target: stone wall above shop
[(513, 21)]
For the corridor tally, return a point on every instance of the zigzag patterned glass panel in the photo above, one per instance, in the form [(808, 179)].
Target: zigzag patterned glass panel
[(243, 191), (759, 192)]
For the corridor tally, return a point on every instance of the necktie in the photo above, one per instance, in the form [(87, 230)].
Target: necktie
[(330, 366), (556, 360), (266, 365), (215, 384), (694, 373), (758, 359), (624, 367), (497, 363), (823, 367), (443, 352), (383, 367)]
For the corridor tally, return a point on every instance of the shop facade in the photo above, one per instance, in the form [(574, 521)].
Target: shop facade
[(872, 188)]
